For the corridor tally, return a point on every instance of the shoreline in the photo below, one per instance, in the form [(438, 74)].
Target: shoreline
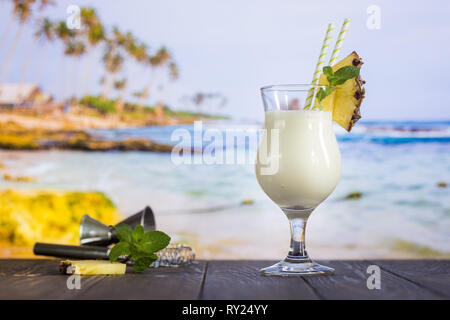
[(60, 121), (15, 136), (82, 117)]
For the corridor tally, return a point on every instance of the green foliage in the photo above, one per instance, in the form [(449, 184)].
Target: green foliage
[(134, 111), (123, 232), (335, 79), (322, 94), (188, 114), (343, 74), (138, 245), (102, 105), (118, 250)]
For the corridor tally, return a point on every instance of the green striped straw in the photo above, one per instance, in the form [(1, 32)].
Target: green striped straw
[(320, 61), (340, 40)]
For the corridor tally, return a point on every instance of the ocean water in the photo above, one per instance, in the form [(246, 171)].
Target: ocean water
[(396, 166)]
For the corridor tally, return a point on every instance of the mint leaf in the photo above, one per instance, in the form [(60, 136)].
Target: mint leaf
[(328, 71), (143, 263), (338, 82), (120, 249), (138, 233), (320, 95), (140, 246), (332, 79), (323, 93), (341, 75), (137, 252), (347, 72), (154, 241), (328, 91), (123, 232)]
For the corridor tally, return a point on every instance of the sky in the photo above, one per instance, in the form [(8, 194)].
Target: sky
[(235, 47)]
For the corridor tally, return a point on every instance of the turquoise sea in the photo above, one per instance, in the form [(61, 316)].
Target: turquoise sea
[(396, 166)]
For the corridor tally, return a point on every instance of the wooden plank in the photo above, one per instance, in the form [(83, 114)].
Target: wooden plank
[(434, 275), (10, 267), (350, 282), (40, 279), (154, 283), (410, 279), (33, 279), (242, 280)]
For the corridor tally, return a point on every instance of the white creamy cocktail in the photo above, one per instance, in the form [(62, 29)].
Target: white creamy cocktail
[(298, 162), (308, 160), (298, 165)]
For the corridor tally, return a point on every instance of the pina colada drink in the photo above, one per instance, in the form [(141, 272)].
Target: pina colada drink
[(298, 163)]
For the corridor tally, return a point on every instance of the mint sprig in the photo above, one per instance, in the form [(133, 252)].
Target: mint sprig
[(138, 245), (334, 79)]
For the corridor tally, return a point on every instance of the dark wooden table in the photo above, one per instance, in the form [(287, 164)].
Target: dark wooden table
[(400, 279)]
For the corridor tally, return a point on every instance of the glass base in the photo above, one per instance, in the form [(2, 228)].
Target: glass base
[(293, 269)]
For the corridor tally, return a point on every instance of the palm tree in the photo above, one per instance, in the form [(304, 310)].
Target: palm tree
[(46, 34), (173, 76), (201, 99), (74, 48), (136, 50), (120, 86), (94, 33), (113, 64), (22, 11), (138, 95), (117, 46), (10, 22), (156, 62), (44, 31), (64, 34)]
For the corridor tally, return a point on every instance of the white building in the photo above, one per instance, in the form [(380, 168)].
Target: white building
[(25, 94)]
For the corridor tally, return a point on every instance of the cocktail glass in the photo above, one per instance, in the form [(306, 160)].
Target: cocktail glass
[(298, 166)]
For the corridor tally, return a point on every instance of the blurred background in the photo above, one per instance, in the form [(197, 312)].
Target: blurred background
[(91, 92)]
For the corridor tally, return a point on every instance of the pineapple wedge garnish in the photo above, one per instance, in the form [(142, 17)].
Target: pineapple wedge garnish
[(346, 99), (90, 267)]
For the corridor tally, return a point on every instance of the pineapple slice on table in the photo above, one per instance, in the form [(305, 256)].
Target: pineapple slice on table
[(91, 267), (346, 99)]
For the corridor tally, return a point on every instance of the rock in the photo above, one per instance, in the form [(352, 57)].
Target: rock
[(353, 195), (8, 177), (50, 216), (125, 145), (14, 137), (13, 141)]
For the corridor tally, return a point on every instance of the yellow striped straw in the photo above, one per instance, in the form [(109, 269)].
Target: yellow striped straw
[(340, 40), (320, 61)]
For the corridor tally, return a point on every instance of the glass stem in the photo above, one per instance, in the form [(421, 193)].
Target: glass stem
[(297, 222)]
